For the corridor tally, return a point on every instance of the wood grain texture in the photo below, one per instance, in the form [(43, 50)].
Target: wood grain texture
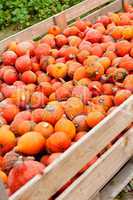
[(102, 171), (61, 21), (3, 195), (83, 7), (117, 184), (40, 188), (97, 197), (114, 6)]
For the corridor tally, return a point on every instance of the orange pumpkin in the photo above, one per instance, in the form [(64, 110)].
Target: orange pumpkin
[(58, 142), (45, 128), (31, 143), (53, 112), (73, 107), (93, 118), (7, 139), (61, 127)]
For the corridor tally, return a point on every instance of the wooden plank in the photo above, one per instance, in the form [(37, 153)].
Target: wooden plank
[(40, 187), (83, 8), (114, 6), (61, 21), (3, 195), (102, 171), (42, 27), (28, 33), (117, 184), (97, 197)]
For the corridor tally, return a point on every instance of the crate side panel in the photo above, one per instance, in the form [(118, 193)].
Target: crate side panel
[(83, 7), (114, 6), (102, 171), (117, 184), (78, 155), (42, 27), (28, 34)]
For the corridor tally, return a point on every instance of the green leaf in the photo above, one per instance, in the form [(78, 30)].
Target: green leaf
[(23, 13)]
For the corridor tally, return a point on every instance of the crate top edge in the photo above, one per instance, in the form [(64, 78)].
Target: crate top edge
[(128, 103), (49, 21)]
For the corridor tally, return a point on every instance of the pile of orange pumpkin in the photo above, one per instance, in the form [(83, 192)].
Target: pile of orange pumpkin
[(53, 91)]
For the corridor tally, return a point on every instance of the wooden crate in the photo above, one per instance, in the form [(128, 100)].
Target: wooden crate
[(63, 18), (121, 180), (86, 187)]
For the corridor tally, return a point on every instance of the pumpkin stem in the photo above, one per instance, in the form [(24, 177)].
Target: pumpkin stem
[(62, 80)]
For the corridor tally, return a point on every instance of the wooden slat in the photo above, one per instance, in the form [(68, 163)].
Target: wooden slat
[(102, 171), (29, 33), (42, 27), (97, 197), (40, 188), (83, 8), (60, 20), (3, 195), (117, 184), (114, 6)]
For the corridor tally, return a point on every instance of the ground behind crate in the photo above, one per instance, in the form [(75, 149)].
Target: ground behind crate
[(7, 32), (125, 196)]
